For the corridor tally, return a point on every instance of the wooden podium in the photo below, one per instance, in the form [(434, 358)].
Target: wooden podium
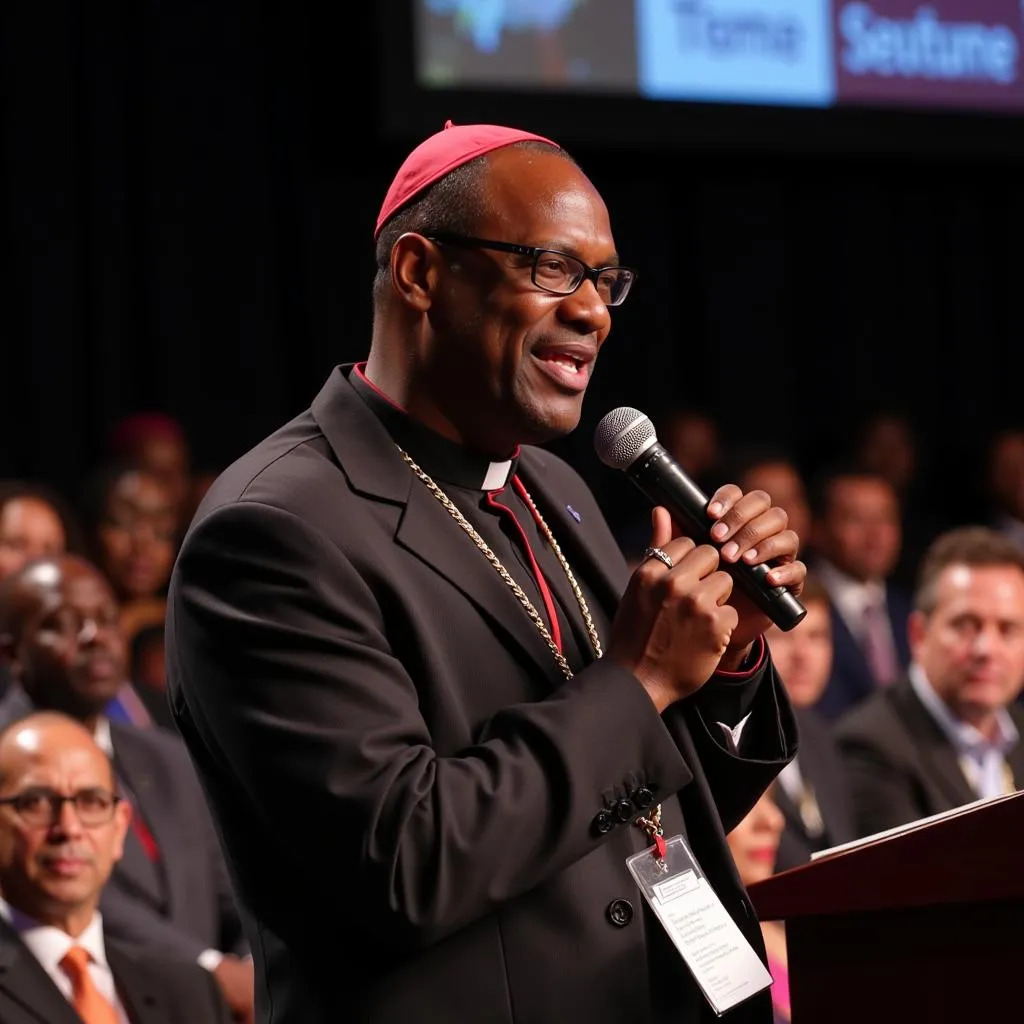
[(923, 925)]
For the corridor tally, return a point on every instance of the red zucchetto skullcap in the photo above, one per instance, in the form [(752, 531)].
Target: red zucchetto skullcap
[(453, 146)]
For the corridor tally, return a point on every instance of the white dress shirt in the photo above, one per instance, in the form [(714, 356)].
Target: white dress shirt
[(982, 760), (50, 945), (851, 597)]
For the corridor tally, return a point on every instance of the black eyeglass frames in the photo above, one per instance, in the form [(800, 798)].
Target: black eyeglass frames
[(40, 807), (552, 270)]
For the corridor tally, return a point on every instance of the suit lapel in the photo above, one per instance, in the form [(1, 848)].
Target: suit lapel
[(141, 998), (24, 981), (579, 544), (848, 653), (368, 458), (933, 746), (135, 867), (429, 532)]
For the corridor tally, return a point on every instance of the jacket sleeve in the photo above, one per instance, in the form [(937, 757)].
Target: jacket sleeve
[(280, 658), (738, 775)]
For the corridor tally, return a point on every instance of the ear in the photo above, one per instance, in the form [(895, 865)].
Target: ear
[(415, 268), (917, 626)]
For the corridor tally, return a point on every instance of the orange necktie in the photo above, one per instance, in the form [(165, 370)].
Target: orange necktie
[(89, 1003)]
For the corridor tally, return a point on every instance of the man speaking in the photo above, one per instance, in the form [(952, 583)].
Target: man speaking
[(433, 712)]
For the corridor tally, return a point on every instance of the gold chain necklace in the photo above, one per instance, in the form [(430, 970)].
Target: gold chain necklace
[(520, 594), (651, 825)]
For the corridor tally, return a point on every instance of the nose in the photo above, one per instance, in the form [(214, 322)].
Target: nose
[(66, 824), (585, 309)]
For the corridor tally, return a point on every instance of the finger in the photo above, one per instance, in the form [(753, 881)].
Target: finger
[(781, 547), (701, 561), (730, 618), (723, 499), (791, 576), (661, 527), (717, 586), (738, 518)]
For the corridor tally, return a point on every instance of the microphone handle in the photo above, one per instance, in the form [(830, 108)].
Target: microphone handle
[(661, 479)]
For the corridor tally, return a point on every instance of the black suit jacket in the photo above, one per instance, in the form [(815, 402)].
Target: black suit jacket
[(414, 802), (183, 904), (821, 766), (153, 990), (901, 765), (851, 679)]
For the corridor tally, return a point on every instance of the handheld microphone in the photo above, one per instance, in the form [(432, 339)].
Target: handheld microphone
[(625, 439)]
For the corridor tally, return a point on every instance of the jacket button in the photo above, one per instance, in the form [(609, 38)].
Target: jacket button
[(643, 797), (619, 912), (624, 811), (603, 822)]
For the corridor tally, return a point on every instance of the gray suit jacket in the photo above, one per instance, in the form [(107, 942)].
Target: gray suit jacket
[(153, 990), (425, 820), (181, 904), (900, 764)]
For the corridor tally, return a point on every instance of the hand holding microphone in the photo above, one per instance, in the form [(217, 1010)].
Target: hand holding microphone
[(742, 534)]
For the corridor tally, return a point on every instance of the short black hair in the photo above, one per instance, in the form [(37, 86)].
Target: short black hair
[(820, 491)]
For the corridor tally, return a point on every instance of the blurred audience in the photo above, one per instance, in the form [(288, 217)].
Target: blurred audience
[(34, 523), (949, 733), (148, 673), (692, 437), (1006, 484), (169, 895), (774, 470), (62, 830), (856, 541), (156, 443), (812, 791), (131, 534), (754, 843), (887, 445)]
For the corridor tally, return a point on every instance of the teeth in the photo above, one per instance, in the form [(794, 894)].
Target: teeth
[(566, 362)]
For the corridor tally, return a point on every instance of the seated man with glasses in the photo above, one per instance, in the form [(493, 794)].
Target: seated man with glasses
[(62, 829), (170, 894)]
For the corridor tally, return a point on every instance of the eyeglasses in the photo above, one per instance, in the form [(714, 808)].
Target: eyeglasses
[(555, 271), (40, 807)]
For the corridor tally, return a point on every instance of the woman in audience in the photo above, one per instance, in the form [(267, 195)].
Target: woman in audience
[(131, 532), (34, 523), (754, 843)]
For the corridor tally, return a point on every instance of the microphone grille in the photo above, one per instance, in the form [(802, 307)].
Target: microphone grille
[(622, 436)]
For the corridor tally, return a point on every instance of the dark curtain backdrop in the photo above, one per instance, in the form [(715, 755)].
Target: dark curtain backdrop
[(188, 193)]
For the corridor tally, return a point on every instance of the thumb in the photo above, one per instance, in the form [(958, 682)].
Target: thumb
[(661, 527)]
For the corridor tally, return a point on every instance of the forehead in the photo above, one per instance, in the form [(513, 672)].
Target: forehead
[(995, 589), (29, 513), (49, 590), (541, 198), (141, 490), (34, 759), (860, 489)]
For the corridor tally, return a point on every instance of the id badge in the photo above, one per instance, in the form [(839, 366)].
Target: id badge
[(721, 960)]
